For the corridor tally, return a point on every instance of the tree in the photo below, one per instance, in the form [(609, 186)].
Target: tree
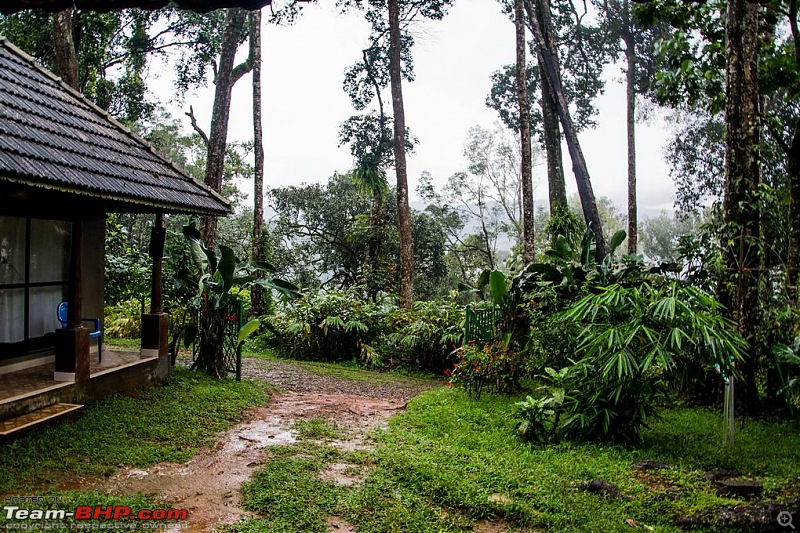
[(403, 210), (639, 55), (12, 6), (103, 56), (256, 295), (546, 47), (326, 237), (225, 78), (526, 167), (660, 235), (388, 60), (760, 71), (740, 237), (583, 51)]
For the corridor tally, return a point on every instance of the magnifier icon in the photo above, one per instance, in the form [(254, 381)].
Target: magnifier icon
[(785, 519)]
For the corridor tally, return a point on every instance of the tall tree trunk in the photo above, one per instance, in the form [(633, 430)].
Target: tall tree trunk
[(738, 289), (551, 71), (526, 170), (793, 171), (630, 89), (256, 294), (403, 210), (557, 187), (793, 259), (66, 55), (226, 77)]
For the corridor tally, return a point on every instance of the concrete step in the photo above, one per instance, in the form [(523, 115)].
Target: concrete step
[(13, 427)]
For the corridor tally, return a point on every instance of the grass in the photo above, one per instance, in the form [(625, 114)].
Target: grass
[(462, 455), (317, 429), (141, 428), (451, 460)]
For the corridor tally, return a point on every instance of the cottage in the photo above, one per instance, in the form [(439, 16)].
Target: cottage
[(64, 164)]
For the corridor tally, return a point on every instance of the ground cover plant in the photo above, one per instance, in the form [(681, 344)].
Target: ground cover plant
[(143, 427), (451, 461)]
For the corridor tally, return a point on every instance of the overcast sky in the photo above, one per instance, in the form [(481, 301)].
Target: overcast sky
[(304, 103)]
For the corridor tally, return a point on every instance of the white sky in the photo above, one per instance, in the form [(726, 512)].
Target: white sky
[(304, 104)]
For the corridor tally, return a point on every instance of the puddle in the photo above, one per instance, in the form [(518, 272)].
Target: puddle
[(208, 486)]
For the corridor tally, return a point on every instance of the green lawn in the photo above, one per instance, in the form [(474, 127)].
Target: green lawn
[(450, 460), (166, 423)]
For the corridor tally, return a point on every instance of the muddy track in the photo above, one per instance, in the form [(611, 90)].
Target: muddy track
[(208, 485)]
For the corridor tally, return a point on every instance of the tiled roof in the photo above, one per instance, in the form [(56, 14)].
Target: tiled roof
[(53, 137), (203, 6)]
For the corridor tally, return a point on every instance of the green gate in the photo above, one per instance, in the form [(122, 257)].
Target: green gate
[(480, 324), (231, 349)]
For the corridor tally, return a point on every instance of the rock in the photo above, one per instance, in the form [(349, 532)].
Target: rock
[(601, 487), (744, 488), (649, 465), (762, 516), (716, 475)]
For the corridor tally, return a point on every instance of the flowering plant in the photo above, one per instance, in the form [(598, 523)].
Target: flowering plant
[(492, 366)]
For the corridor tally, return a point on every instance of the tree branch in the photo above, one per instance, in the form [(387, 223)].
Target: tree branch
[(197, 127)]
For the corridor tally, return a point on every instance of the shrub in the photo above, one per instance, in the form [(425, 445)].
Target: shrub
[(484, 366), (632, 340), (123, 320), (425, 335), (327, 326)]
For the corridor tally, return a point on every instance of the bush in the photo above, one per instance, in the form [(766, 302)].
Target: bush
[(632, 340), (326, 326), (123, 320), (489, 366), (426, 335)]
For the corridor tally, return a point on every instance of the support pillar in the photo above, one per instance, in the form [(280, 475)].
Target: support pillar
[(72, 342), (155, 324)]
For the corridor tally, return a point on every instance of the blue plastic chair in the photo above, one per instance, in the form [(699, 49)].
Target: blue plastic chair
[(62, 313)]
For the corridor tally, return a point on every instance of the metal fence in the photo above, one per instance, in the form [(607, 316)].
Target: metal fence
[(480, 324)]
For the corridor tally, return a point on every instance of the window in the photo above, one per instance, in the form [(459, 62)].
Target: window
[(34, 274)]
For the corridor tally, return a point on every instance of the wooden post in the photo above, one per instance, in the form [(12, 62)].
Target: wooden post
[(155, 324), (157, 241), (72, 342)]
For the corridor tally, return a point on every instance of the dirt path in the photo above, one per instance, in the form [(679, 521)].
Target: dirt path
[(208, 485)]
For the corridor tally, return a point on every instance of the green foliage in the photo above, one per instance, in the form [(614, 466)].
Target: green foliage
[(635, 340), (123, 320), (540, 417), (341, 326), (491, 367), (424, 336), (787, 366), (127, 266), (326, 326), (170, 422), (218, 281)]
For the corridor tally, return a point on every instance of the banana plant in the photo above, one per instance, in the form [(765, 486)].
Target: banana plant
[(216, 279)]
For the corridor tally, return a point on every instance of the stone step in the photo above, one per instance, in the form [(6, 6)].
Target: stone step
[(15, 426)]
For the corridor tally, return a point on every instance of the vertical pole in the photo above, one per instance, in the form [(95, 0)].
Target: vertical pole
[(72, 342), (157, 238), (155, 324), (239, 313), (75, 293)]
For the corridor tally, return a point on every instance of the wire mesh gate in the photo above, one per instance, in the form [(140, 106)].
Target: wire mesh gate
[(233, 317), (480, 324)]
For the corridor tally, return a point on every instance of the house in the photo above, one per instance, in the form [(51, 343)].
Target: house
[(65, 164)]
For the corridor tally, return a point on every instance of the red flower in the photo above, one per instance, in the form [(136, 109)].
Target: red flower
[(232, 318), (449, 384), (447, 372)]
